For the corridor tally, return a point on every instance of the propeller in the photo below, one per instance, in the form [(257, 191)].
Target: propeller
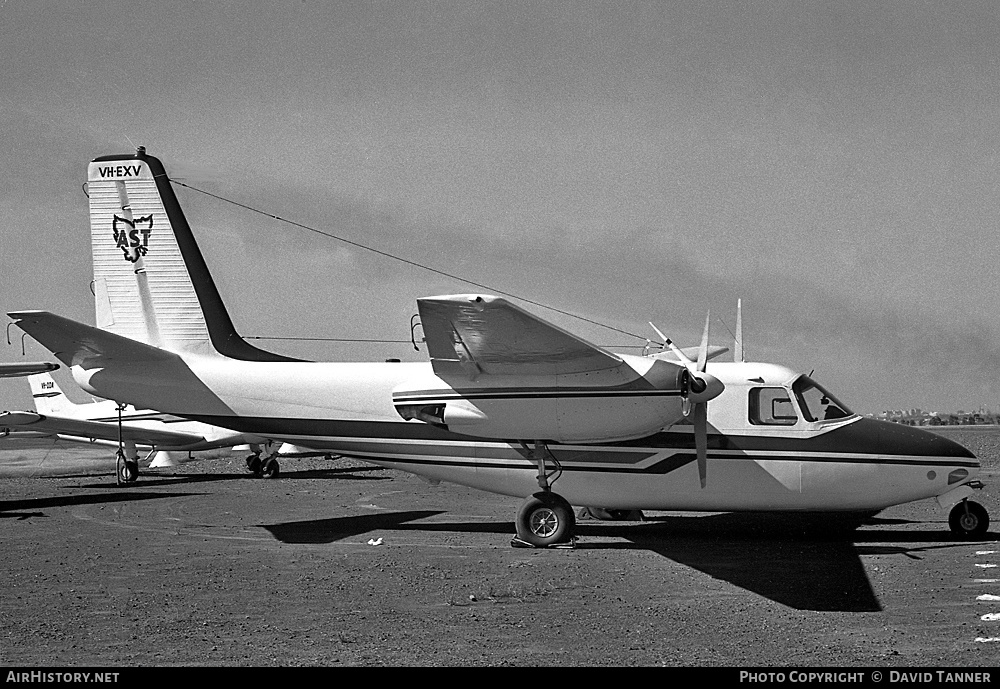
[(698, 383)]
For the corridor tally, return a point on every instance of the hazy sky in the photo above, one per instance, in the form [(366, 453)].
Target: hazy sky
[(833, 164)]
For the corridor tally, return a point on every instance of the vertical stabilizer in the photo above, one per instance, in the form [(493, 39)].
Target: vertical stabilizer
[(49, 397), (151, 283)]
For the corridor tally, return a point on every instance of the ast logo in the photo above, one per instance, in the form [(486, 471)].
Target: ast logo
[(132, 236)]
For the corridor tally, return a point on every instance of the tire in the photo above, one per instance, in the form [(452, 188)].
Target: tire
[(269, 468), (253, 464), (545, 519), (127, 470), (121, 472), (969, 520)]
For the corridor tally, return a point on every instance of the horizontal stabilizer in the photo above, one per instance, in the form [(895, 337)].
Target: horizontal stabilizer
[(99, 430), (472, 334), (14, 370), (76, 344)]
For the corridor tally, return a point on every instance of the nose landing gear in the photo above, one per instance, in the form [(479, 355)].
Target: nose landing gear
[(969, 520)]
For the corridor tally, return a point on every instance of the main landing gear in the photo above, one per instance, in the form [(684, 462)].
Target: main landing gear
[(969, 520), (266, 467), (546, 519), (126, 468), (127, 457)]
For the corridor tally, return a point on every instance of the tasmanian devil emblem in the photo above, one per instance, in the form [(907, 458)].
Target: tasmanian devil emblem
[(132, 236)]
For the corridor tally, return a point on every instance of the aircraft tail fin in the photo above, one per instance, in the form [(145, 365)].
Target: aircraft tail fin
[(151, 283), (49, 397)]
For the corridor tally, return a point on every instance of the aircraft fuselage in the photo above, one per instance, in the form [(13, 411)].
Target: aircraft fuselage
[(783, 461)]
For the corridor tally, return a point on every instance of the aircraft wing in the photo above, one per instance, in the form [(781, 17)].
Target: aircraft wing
[(13, 370), (469, 334), (100, 430)]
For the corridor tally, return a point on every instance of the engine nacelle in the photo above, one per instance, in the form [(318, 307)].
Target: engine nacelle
[(635, 400)]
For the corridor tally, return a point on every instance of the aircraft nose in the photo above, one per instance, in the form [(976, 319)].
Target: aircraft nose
[(886, 438), (899, 439)]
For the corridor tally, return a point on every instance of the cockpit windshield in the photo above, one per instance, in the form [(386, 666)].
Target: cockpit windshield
[(816, 403)]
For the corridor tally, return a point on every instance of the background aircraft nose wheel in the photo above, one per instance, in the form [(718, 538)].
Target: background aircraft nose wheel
[(545, 519), (969, 519), (269, 468), (126, 470)]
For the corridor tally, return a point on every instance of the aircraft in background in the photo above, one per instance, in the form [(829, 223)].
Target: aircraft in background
[(169, 439), (508, 403), (26, 369)]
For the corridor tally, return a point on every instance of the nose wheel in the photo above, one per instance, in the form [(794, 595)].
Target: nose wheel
[(969, 520)]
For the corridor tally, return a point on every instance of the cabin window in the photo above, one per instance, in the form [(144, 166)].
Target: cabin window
[(817, 404), (771, 407)]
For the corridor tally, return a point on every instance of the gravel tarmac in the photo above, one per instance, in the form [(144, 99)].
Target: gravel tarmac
[(340, 563)]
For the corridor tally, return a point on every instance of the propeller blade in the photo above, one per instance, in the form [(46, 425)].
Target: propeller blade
[(700, 421), (703, 349)]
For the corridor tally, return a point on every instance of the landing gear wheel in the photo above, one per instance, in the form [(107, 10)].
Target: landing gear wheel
[(969, 520), (126, 470), (253, 464), (269, 468), (545, 519)]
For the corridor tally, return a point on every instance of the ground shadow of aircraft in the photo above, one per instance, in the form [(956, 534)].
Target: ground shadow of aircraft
[(806, 571), (16, 508), (316, 531), (804, 566), (823, 573)]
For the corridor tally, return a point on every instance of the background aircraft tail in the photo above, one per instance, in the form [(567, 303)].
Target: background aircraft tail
[(49, 397), (151, 283)]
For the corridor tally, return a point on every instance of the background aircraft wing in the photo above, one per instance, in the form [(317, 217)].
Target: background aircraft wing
[(471, 335), (27, 369), (100, 430)]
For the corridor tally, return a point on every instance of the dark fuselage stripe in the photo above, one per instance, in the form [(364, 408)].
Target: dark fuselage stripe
[(662, 467), (540, 394)]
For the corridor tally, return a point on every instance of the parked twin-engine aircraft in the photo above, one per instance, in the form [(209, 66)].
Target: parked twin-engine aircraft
[(509, 403), (169, 439)]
